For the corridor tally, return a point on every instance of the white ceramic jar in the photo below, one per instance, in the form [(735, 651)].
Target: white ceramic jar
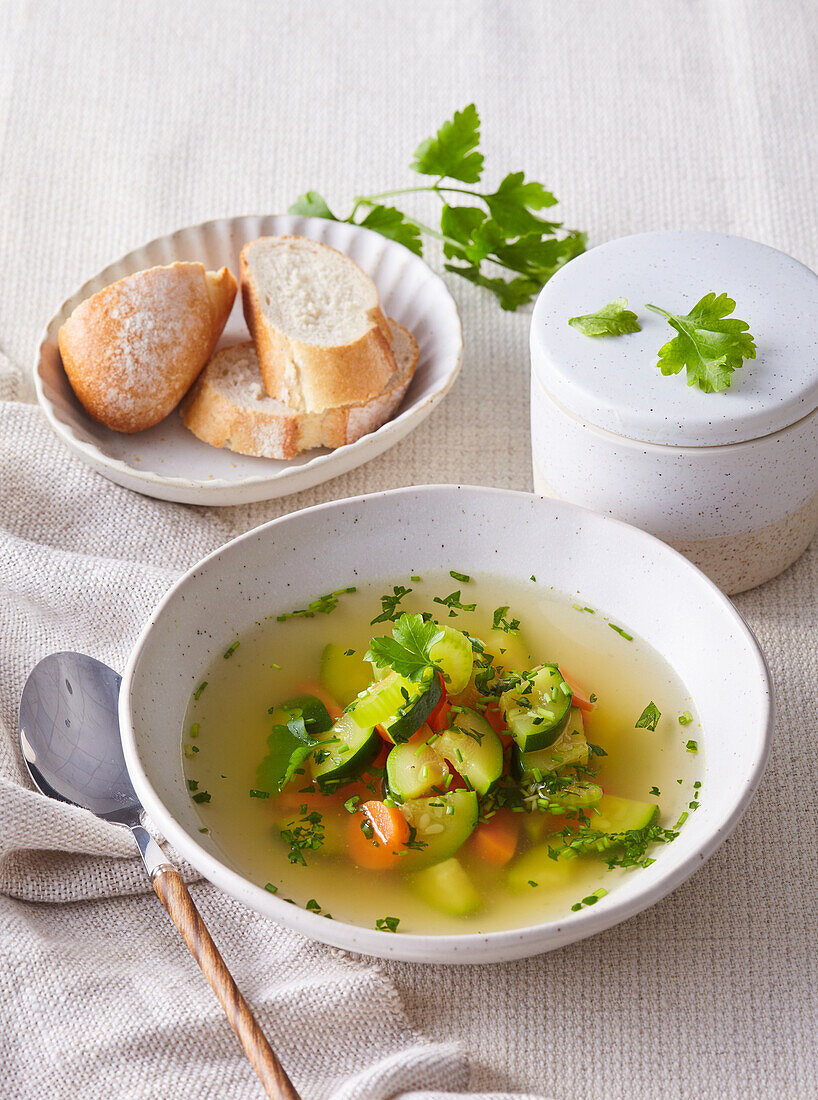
[(730, 479)]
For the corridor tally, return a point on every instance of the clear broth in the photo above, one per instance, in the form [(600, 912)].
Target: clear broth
[(234, 724)]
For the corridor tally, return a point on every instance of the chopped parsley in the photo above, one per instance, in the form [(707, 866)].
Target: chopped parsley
[(500, 622), (202, 796), (322, 606), (305, 835), (255, 793), (390, 604), (655, 792), (454, 604), (192, 784), (592, 899), (464, 578), (190, 751), (649, 718), (313, 906), (387, 924), (204, 830)]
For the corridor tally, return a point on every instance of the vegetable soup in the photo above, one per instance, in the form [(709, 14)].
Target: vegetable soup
[(441, 754)]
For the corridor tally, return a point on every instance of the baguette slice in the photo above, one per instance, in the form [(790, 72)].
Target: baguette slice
[(133, 350), (228, 406), (321, 338)]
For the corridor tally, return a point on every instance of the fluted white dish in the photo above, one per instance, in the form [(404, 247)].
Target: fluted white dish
[(169, 462)]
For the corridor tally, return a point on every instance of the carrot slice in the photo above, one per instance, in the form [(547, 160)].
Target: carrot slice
[(495, 840), (390, 832), (579, 698)]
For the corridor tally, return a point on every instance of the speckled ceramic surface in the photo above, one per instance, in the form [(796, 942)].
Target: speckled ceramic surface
[(727, 478), (614, 382), (653, 591), (168, 461)]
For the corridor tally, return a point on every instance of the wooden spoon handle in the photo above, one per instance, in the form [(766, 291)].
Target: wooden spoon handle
[(176, 898)]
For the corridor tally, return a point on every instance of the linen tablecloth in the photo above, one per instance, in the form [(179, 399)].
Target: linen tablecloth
[(120, 121)]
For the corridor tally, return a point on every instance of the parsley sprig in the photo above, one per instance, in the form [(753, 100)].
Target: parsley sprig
[(710, 346), (407, 651), (503, 235)]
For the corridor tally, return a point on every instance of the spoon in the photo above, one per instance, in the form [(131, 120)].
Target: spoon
[(69, 734)]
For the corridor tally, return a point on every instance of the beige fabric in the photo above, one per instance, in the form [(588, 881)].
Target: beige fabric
[(120, 121)]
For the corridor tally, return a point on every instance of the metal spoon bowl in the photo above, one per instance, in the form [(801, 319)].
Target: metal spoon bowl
[(69, 735)]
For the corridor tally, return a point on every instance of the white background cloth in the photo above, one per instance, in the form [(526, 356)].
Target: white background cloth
[(120, 121)]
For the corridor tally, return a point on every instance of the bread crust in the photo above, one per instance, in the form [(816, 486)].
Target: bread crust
[(311, 377), (216, 420), (132, 350)]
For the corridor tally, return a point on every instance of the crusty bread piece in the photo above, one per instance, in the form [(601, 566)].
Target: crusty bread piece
[(228, 406), (321, 338), (134, 349)]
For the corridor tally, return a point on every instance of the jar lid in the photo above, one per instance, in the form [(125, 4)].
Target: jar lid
[(615, 383)]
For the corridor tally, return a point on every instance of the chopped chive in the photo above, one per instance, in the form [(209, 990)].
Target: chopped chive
[(622, 633), (200, 689), (692, 746), (681, 820), (231, 650), (685, 719), (268, 886), (255, 793), (415, 580), (190, 751), (351, 804), (349, 652), (204, 830), (531, 882), (276, 667)]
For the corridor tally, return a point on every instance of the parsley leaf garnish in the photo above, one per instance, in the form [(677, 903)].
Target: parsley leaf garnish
[(452, 151), (407, 651), (614, 319), (387, 924), (501, 243), (649, 718), (710, 346)]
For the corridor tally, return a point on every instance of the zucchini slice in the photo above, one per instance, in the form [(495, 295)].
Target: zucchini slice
[(537, 709), (344, 675), (413, 770), (613, 815), (414, 713), (442, 824), (472, 748), (347, 751), (454, 656), (447, 888), (538, 869), (570, 748)]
